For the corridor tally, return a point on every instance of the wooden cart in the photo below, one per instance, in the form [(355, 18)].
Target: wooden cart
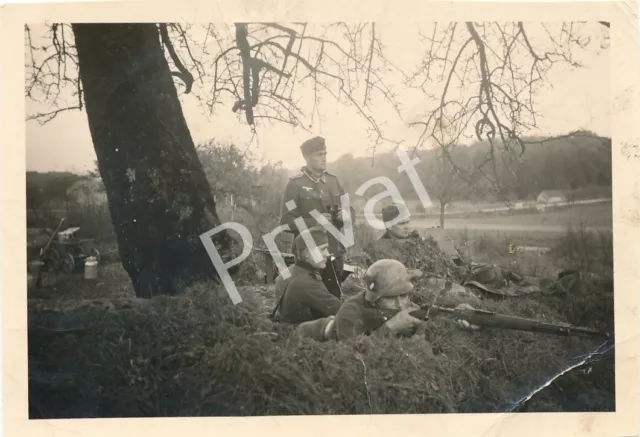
[(66, 252)]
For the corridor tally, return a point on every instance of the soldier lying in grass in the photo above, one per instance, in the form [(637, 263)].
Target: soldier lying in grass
[(388, 288)]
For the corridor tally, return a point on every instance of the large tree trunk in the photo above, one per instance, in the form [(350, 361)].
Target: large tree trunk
[(442, 205), (159, 198)]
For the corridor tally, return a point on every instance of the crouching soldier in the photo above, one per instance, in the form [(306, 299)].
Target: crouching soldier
[(402, 231), (303, 296)]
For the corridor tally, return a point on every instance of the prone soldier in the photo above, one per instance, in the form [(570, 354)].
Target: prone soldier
[(385, 308), (388, 288)]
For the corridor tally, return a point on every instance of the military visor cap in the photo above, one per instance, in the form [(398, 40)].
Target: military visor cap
[(317, 234), (313, 145), (393, 211)]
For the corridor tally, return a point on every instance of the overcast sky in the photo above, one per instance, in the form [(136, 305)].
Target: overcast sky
[(572, 100)]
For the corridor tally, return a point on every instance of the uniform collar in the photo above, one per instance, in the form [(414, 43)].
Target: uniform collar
[(308, 267), (308, 174)]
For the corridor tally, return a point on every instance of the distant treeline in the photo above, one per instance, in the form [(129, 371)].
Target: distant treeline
[(49, 189), (580, 166)]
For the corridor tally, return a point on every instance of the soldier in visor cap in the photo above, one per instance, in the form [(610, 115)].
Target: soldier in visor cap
[(303, 297), (315, 189), (400, 230)]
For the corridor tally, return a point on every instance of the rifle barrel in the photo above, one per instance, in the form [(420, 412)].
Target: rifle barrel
[(494, 320)]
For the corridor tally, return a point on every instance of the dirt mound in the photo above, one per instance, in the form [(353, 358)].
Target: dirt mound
[(197, 354), (415, 253)]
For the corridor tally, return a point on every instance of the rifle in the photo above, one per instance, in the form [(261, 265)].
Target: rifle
[(375, 318), (45, 249)]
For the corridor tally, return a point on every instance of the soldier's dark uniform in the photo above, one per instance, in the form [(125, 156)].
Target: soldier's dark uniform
[(319, 194), (303, 297)]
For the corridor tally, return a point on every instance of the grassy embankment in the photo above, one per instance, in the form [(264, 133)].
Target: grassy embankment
[(196, 354)]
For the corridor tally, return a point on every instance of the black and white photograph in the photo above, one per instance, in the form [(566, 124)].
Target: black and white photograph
[(255, 218)]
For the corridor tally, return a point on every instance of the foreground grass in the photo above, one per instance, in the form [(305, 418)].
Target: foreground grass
[(96, 351)]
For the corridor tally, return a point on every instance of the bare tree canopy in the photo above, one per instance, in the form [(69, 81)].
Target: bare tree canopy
[(227, 65), (490, 74), (480, 80)]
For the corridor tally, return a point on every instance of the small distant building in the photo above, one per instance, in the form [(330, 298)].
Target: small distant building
[(551, 196)]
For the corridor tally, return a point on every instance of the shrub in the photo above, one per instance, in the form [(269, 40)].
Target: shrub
[(93, 219), (588, 251)]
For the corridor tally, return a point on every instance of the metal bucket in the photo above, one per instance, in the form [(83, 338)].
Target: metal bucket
[(91, 268)]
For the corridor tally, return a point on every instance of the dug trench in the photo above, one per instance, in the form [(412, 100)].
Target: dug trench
[(97, 351)]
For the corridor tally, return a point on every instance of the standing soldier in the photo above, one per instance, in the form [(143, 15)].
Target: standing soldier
[(315, 189)]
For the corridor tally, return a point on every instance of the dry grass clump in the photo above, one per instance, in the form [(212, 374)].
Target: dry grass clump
[(589, 251)]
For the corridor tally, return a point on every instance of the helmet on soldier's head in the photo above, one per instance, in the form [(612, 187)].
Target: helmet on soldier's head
[(387, 278)]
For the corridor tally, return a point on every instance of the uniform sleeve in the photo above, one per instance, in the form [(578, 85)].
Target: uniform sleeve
[(317, 297), (348, 322), (287, 217)]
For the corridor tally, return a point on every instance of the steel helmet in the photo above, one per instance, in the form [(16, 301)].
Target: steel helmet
[(387, 278)]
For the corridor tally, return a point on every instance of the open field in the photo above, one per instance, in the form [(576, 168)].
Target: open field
[(595, 217)]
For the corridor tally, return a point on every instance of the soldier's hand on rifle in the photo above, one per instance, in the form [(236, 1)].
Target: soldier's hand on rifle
[(403, 322), (463, 323)]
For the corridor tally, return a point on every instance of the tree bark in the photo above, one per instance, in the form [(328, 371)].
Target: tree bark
[(159, 198)]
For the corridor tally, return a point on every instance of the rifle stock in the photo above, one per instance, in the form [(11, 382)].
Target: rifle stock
[(375, 318)]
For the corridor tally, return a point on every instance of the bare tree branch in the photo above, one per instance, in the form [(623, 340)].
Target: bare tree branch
[(182, 72), (489, 81)]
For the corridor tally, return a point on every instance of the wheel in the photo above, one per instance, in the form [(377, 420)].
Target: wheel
[(51, 260), (68, 263)]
